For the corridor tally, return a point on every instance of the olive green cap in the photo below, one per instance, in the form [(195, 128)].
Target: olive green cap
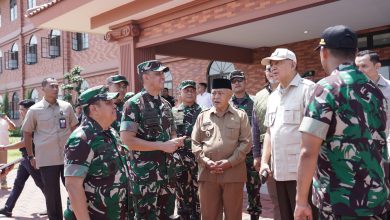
[(187, 83), (117, 79), (151, 65), (96, 93)]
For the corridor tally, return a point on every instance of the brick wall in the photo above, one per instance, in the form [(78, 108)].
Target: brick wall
[(197, 70), (211, 15)]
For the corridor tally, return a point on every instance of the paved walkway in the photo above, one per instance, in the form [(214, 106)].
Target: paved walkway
[(31, 201)]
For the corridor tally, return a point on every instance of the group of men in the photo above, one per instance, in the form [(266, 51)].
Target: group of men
[(136, 159)]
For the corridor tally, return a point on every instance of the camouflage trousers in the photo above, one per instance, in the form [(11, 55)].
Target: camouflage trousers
[(154, 200), (253, 185), (187, 186), (329, 215)]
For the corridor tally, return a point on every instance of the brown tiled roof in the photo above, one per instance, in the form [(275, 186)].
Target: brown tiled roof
[(40, 8)]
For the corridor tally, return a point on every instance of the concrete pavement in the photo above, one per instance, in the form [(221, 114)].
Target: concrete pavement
[(31, 201)]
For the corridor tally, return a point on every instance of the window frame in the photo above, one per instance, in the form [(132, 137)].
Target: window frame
[(13, 10), (80, 41)]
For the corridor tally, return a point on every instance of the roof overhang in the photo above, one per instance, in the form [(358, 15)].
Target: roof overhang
[(96, 16)]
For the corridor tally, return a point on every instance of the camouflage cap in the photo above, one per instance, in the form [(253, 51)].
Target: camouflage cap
[(96, 93), (117, 79), (236, 74), (128, 95), (151, 65), (187, 83)]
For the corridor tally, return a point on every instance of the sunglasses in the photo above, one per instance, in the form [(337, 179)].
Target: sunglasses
[(233, 81)]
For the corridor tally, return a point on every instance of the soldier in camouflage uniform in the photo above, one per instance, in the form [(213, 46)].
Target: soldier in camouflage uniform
[(343, 138), (243, 101), (148, 128), (118, 83), (96, 163), (186, 167)]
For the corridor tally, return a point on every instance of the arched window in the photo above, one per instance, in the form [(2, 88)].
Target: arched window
[(14, 107), (31, 51), (31, 4), (54, 43), (13, 10), (35, 95), (11, 58), (219, 69), (168, 83)]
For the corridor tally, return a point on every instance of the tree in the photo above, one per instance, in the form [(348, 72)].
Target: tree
[(5, 106), (72, 82)]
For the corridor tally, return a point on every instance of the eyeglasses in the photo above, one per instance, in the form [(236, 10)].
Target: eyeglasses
[(233, 81)]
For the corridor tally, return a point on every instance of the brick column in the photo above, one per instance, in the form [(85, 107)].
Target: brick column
[(130, 56)]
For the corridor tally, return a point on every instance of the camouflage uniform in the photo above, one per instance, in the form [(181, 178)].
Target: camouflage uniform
[(117, 123), (347, 111), (152, 172), (99, 157), (186, 165), (253, 183)]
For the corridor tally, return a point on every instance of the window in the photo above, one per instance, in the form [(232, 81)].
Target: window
[(50, 46), (381, 39), (373, 40), (219, 69), (11, 58), (30, 56), (31, 4), (13, 9), (35, 95), (168, 83), (80, 41), (14, 107), (362, 43)]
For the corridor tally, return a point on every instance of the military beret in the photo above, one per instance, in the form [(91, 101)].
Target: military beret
[(222, 84), (151, 65), (96, 93), (187, 83), (236, 74), (117, 79)]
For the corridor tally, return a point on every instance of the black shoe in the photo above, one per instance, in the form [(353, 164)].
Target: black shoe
[(5, 212), (255, 217)]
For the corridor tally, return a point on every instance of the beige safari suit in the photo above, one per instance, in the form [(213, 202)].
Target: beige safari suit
[(49, 139), (216, 138)]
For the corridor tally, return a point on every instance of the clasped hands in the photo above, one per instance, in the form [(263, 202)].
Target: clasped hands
[(218, 167)]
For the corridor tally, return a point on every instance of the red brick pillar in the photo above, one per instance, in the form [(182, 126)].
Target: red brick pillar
[(130, 56)]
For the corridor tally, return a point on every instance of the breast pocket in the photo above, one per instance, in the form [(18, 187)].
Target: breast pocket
[(207, 130), (233, 129), (45, 122), (292, 115)]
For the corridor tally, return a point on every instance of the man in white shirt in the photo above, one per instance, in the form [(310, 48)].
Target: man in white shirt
[(203, 98), (368, 62)]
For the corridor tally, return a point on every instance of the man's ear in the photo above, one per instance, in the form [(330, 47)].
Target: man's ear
[(377, 66)]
